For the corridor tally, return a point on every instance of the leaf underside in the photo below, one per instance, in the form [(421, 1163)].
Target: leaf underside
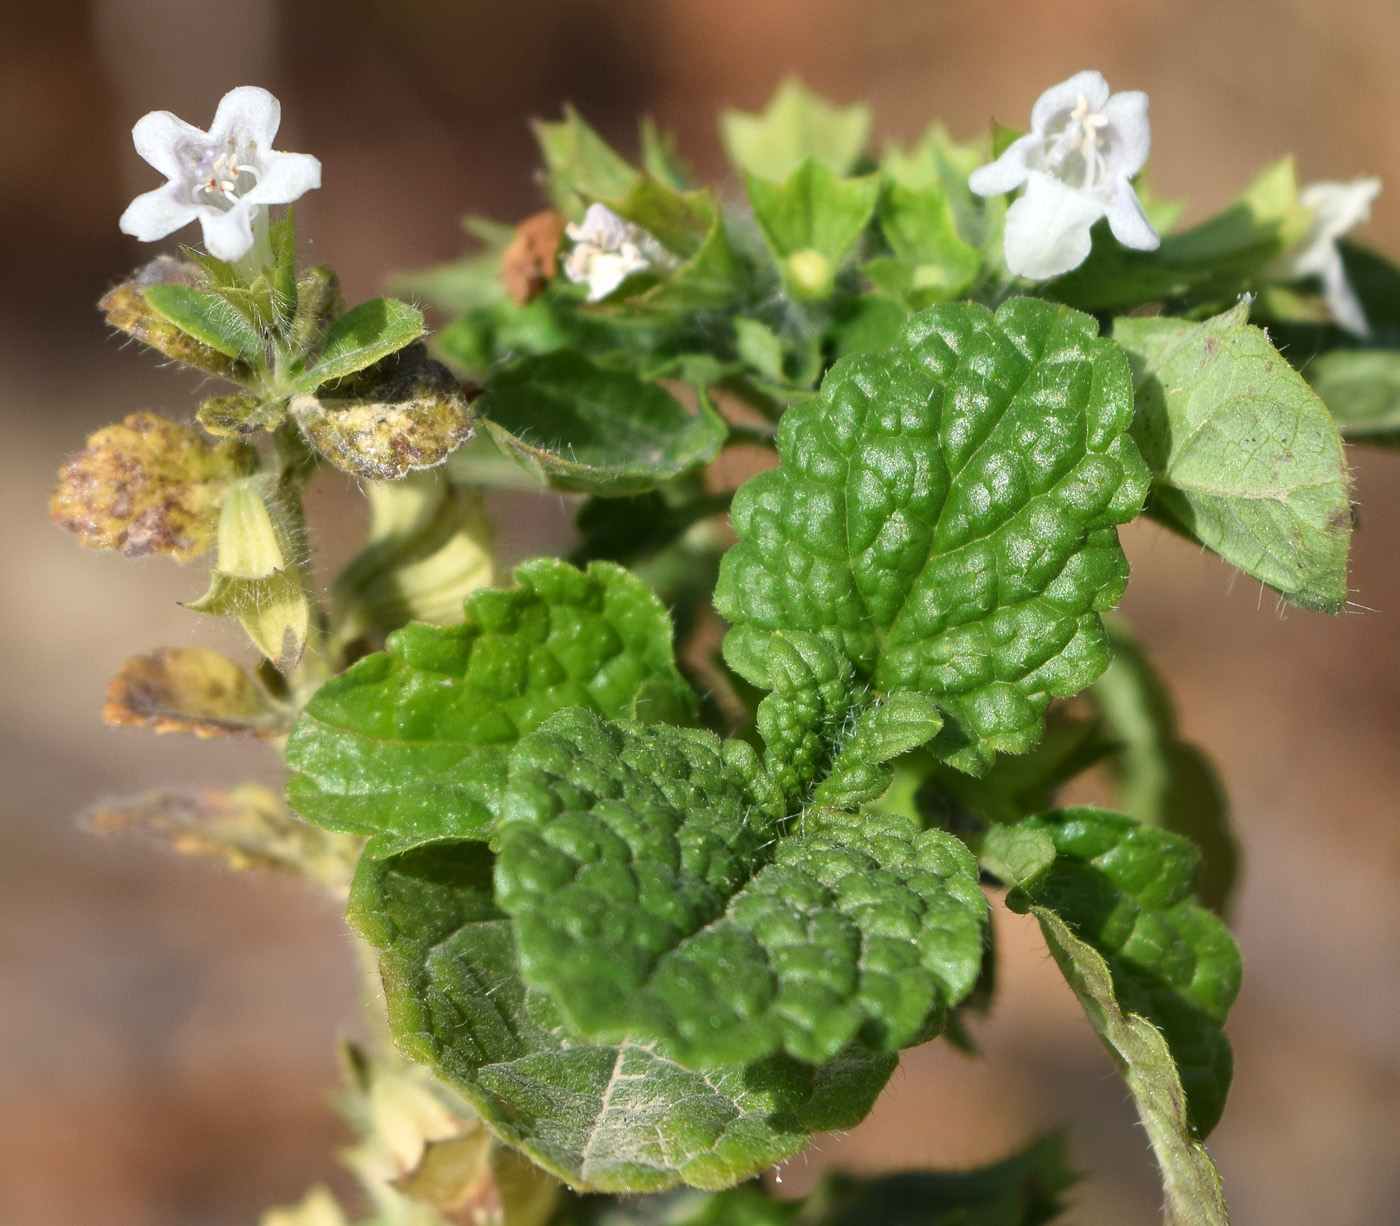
[(603, 1118)]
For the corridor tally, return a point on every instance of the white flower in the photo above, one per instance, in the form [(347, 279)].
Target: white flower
[(220, 177), (608, 249), (1077, 163), (1336, 208)]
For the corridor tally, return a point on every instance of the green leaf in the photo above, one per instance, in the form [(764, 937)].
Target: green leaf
[(904, 721), (1189, 1177), (125, 307), (920, 228), (1016, 785), (603, 1118), (796, 125), (1244, 456), (210, 319), (1162, 780), (406, 413), (1361, 388), (810, 221), (708, 280), (1126, 890), (947, 510), (580, 166), (868, 323), (410, 745), (364, 335), (659, 156), (939, 162), (628, 858), (1212, 262), (1023, 1190), (583, 427)]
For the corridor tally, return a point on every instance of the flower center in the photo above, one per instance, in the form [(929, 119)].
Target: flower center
[(1077, 146), (219, 175)]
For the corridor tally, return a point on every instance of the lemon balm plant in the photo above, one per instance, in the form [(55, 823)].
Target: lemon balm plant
[(663, 852)]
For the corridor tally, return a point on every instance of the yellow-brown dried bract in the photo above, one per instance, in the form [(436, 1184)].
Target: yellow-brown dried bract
[(147, 486), (126, 309), (190, 689), (532, 257), (409, 414)]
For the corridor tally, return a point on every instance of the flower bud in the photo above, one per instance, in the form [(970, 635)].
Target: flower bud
[(810, 274)]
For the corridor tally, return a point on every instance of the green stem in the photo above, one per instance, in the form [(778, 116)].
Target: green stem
[(295, 464)]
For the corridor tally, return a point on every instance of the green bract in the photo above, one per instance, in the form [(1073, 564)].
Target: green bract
[(607, 1118), (653, 902), (1244, 456), (948, 511), (410, 745)]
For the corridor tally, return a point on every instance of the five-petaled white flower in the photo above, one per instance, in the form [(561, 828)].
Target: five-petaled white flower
[(608, 249), (221, 177), (1336, 208), (1077, 163)]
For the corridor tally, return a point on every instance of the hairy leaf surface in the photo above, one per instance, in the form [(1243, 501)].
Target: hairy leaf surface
[(1126, 889), (1244, 456), (948, 511), (1189, 1177), (410, 744), (605, 1118), (581, 427), (653, 902), (1023, 1190)]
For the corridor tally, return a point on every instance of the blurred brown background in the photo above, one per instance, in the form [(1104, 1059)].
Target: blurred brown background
[(166, 1028)]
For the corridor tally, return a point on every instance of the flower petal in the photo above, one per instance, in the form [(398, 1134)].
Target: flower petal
[(248, 111), (1128, 221), (284, 177), (1047, 229), (1128, 114), (1065, 97), (1008, 172), (157, 213), (1341, 298), (228, 235), (1339, 207), (158, 137)]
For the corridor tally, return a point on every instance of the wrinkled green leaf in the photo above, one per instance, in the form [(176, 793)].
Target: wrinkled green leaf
[(1163, 780), (810, 221), (652, 902), (364, 335), (1126, 890), (1244, 456), (583, 427), (410, 745), (621, 1118), (796, 125), (947, 510), (210, 319)]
